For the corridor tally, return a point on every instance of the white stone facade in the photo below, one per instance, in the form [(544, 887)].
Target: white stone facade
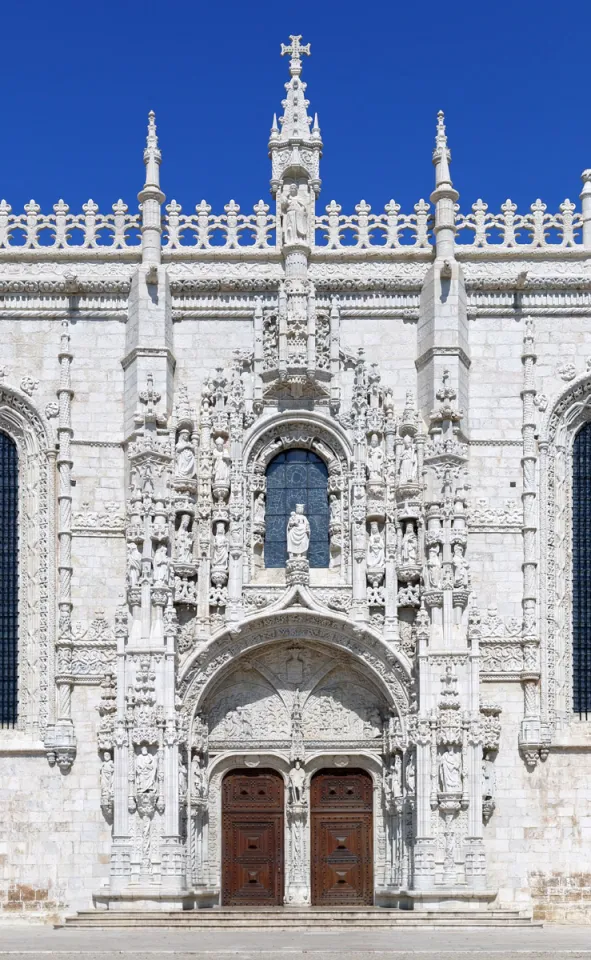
[(153, 365)]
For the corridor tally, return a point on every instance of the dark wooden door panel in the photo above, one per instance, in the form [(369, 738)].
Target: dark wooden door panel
[(252, 839), (342, 839)]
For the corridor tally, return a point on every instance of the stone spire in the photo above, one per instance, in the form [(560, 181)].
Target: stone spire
[(151, 197), (444, 197), (295, 144)]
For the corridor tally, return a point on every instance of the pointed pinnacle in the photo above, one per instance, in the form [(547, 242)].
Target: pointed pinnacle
[(274, 127), (316, 127)]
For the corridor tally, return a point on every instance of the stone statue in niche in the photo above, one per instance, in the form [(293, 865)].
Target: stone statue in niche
[(295, 217), (450, 772), (221, 463), (134, 564), (407, 472), (375, 460), (184, 541), (185, 456), (460, 567), (334, 505), (199, 779), (219, 557), (376, 555), (259, 508), (183, 778), (410, 774), (298, 533), (107, 776), (161, 565), (392, 780), (409, 548), (434, 567), (297, 783), (488, 779), (145, 771)]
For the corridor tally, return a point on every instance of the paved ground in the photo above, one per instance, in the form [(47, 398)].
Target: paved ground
[(547, 943)]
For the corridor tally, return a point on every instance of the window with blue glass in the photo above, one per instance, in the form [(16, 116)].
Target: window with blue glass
[(8, 581), (296, 476), (582, 571)]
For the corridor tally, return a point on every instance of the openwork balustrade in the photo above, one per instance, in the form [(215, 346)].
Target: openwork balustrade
[(232, 230)]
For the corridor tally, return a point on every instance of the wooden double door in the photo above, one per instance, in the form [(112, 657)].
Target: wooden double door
[(341, 831)]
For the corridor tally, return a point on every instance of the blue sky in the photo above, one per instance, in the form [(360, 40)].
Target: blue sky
[(78, 79)]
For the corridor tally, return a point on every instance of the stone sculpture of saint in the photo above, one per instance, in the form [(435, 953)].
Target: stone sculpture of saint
[(107, 775), (145, 771), (409, 546), (259, 508), (297, 781), (460, 567), (375, 547), (221, 463), (219, 557), (134, 564), (298, 533), (184, 541), (183, 779), (434, 567), (199, 779), (185, 456), (161, 565), (408, 462), (295, 217), (335, 508), (375, 459), (450, 772)]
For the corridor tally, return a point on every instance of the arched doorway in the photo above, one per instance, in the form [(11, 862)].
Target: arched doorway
[(252, 838), (341, 808)]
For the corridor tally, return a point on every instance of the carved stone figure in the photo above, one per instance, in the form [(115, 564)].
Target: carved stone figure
[(183, 778), (460, 567), (488, 780), (375, 460), (185, 456), (434, 570), (298, 533), (134, 564), (199, 779), (221, 463), (410, 547), (161, 565), (295, 217), (297, 781), (107, 775), (259, 508), (184, 541), (334, 505), (376, 554), (219, 557), (407, 472), (450, 772), (146, 769), (410, 774)]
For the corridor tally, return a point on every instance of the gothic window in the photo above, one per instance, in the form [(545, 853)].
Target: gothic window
[(582, 571), (8, 581), (296, 476)]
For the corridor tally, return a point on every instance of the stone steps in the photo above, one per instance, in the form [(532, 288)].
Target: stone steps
[(287, 918)]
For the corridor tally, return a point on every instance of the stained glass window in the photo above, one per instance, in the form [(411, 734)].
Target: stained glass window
[(296, 476), (8, 581), (582, 571)]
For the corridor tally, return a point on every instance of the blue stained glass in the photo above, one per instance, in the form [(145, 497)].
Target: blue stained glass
[(8, 582), (582, 571), (296, 476)]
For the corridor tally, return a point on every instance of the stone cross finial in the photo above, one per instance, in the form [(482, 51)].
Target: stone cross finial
[(295, 50)]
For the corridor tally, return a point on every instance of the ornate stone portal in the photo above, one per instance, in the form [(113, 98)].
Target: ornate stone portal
[(370, 347)]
